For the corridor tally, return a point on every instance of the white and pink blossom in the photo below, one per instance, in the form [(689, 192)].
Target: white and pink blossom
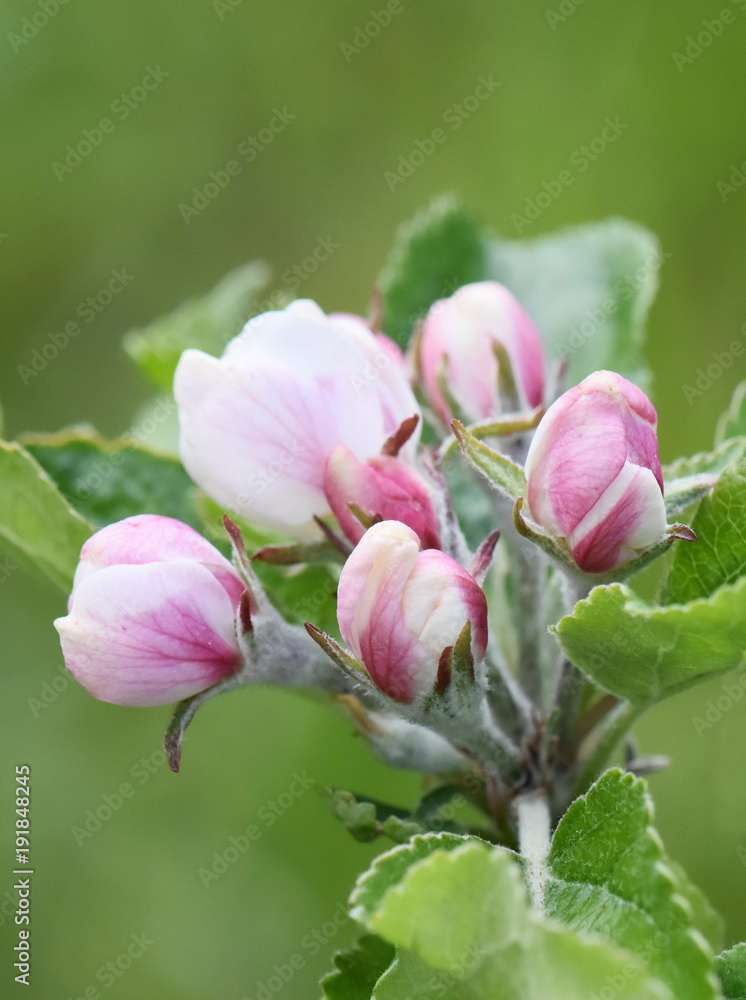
[(594, 473), (384, 486), (399, 608), (258, 424), (151, 617), (457, 346)]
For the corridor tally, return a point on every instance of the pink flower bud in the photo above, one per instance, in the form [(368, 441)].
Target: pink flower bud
[(151, 615), (399, 608), (458, 343), (258, 424), (594, 475), (385, 486)]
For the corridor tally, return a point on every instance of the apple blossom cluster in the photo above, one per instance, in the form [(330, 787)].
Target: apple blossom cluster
[(313, 427)]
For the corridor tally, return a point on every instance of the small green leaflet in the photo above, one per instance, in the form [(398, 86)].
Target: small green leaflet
[(36, 521), (718, 557)]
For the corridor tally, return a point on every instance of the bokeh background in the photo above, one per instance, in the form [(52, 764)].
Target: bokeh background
[(225, 71)]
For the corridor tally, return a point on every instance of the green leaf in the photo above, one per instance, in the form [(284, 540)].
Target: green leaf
[(609, 875), (505, 475), (731, 968), (207, 323), (645, 653), (307, 593), (388, 869), (705, 918), (36, 521), (110, 480), (588, 290), (433, 255), (718, 556), (690, 479), (733, 421), (464, 927), (358, 969)]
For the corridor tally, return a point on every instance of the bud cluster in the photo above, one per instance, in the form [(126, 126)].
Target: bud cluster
[(310, 426)]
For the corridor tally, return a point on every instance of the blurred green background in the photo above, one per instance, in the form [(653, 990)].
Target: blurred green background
[(226, 70)]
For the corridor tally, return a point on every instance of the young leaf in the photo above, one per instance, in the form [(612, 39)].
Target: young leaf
[(464, 929), (368, 819), (36, 521), (731, 968), (610, 876), (733, 421), (705, 918), (110, 480), (358, 969), (388, 869), (207, 323), (645, 653), (588, 290), (434, 254), (719, 556), (689, 479)]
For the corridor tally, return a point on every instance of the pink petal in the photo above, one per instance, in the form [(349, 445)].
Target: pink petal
[(149, 634)]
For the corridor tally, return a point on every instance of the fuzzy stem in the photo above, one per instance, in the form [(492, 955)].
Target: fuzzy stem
[(534, 838), (618, 725)]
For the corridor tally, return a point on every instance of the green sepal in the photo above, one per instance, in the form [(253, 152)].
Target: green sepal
[(505, 475)]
